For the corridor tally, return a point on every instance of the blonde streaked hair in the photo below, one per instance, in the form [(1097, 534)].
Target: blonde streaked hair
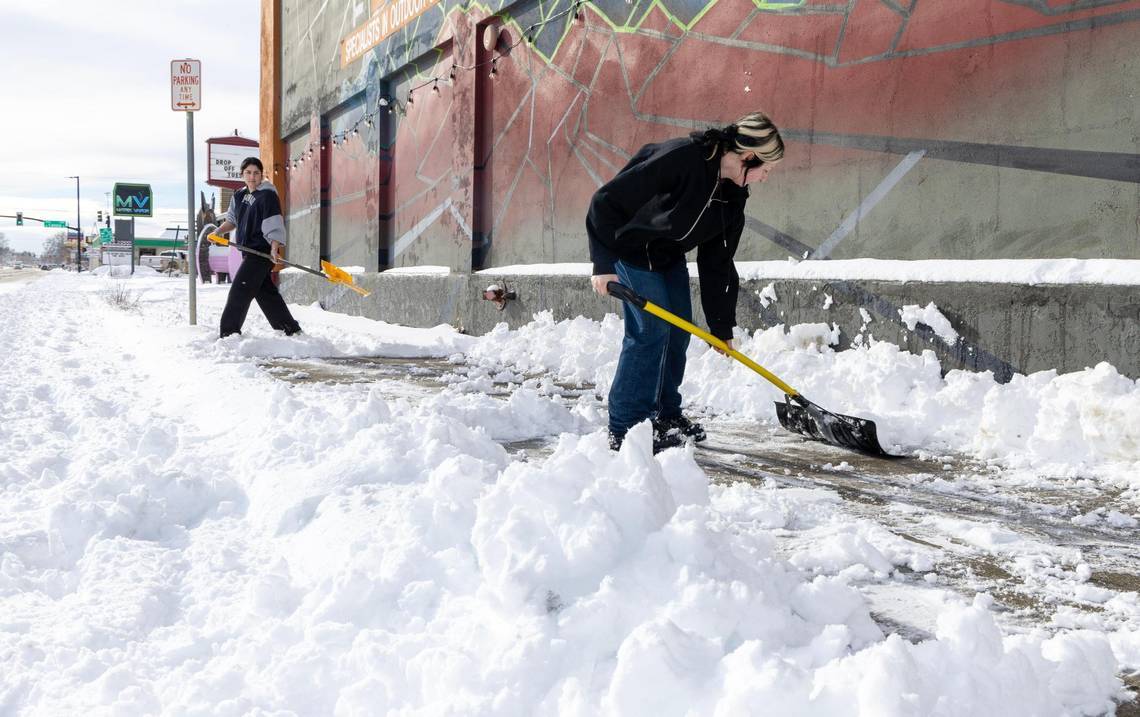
[(754, 133)]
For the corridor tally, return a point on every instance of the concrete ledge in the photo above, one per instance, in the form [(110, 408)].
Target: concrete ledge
[(1003, 328)]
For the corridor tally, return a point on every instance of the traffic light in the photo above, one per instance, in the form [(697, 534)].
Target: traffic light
[(99, 217), (19, 219)]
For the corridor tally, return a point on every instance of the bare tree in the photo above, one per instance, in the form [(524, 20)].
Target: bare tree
[(4, 249), (54, 250)]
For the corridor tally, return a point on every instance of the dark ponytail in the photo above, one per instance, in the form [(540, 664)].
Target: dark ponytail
[(717, 140), (753, 132)]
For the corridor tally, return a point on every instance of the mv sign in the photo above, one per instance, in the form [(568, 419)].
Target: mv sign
[(186, 85), (186, 96), (133, 200)]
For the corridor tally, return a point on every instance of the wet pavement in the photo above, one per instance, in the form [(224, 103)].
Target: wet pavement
[(428, 373), (1046, 562), (908, 495)]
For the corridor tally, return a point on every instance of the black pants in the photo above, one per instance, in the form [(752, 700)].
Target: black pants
[(254, 280)]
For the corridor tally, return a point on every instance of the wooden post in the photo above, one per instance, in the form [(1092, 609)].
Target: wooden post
[(272, 148)]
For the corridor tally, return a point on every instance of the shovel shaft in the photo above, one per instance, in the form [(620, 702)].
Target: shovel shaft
[(334, 273), (720, 344), (262, 254), (626, 294)]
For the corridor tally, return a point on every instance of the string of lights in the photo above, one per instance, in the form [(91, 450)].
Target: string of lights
[(389, 104)]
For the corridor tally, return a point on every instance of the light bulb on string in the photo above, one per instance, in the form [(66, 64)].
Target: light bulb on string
[(493, 70), (451, 75), (435, 86)]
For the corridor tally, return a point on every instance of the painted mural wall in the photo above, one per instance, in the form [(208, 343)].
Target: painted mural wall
[(915, 128)]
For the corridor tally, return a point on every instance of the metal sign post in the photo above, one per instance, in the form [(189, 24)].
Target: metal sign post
[(186, 96)]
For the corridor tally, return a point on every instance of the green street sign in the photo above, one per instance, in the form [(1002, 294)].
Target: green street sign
[(104, 233), (50, 224)]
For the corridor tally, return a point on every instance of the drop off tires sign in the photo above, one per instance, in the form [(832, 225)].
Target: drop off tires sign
[(133, 200)]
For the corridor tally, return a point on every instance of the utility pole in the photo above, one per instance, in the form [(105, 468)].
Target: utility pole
[(78, 230)]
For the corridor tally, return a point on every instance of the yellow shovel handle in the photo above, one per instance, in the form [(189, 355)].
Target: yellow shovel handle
[(718, 343)]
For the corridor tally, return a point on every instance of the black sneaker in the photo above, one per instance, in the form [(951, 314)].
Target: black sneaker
[(661, 441), (680, 425), (671, 439)]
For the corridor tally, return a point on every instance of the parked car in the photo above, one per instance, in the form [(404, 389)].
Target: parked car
[(18, 265), (165, 261)]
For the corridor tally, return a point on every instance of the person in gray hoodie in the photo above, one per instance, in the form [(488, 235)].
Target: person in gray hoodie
[(255, 211)]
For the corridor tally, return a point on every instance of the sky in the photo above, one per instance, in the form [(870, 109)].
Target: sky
[(86, 91)]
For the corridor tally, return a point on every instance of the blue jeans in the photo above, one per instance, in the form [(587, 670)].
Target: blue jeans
[(652, 361)]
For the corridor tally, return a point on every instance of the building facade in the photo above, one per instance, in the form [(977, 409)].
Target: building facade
[(411, 132)]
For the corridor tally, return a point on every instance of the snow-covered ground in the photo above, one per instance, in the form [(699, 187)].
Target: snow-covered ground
[(184, 532)]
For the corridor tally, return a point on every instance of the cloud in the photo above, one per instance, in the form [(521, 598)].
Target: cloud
[(87, 91)]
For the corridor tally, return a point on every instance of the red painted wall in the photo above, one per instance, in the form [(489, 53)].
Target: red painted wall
[(1022, 109)]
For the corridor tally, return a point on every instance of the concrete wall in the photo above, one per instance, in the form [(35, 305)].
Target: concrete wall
[(915, 128), (1004, 328)]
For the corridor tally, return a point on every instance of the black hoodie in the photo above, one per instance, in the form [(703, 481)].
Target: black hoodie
[(257, 217), (665, 202)]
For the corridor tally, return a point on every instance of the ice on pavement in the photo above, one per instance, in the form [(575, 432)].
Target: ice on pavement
[(182, 533)]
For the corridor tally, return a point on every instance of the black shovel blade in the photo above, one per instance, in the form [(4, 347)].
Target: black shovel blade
[(799, 415)]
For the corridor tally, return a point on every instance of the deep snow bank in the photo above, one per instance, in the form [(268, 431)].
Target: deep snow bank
[(318, 549)]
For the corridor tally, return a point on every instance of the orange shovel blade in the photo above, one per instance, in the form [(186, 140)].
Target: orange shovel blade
[(339, 276)]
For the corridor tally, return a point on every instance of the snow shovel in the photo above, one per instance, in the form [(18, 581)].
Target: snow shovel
[(796, 413), (331, 272)]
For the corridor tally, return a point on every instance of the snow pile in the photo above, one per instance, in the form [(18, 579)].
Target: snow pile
[(123, 271), (1001, 271), (339, 335), (576, 350), (1061, 424), (181, 533)]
